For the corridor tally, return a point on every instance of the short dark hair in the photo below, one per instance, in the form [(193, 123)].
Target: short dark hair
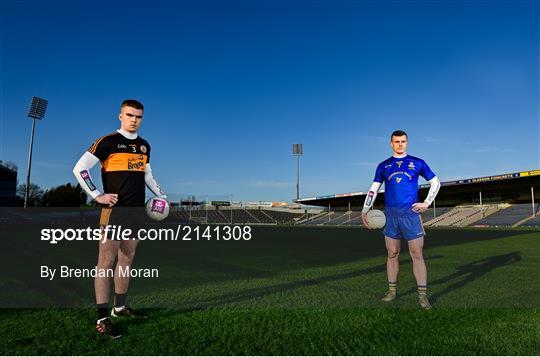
[(398, 133), (132, 103)]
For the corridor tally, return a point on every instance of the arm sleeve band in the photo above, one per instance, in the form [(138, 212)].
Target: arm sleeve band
[(370, 197), (152, 183), (433, 190), (82, 174)]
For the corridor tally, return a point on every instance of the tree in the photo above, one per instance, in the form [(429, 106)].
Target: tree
[(10, 165), (35, 194), (64, 196)]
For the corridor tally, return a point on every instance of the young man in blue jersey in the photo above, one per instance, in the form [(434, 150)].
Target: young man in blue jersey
[(400, 176)]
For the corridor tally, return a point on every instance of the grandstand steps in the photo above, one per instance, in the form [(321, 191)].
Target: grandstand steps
[(508, 215), (270, 217), (225, 219), (434, 222), (252, 216), (312, 218), (525, 220), (336, 220), (347, 218), (481, 214), (463, 216)]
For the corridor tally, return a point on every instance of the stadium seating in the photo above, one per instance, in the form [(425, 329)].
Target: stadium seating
[(432, 213), (321, 219), (462, 216), (534, 222), (281, 216), (340, 218), (233, 216), (507, 217)]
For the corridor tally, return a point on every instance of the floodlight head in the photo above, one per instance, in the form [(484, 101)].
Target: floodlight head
[(297, 150), (38, 107)]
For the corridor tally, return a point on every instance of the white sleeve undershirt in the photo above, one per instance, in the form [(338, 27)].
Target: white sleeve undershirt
[(151, 182), (82, 173), (434, 187), (370, 197)]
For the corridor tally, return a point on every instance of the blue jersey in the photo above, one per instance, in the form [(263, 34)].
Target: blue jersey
[(400, 177)]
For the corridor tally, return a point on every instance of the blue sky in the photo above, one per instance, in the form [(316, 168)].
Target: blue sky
[(230, 86)]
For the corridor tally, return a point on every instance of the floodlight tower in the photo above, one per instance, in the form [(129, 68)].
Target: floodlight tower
[(297, 151), (37, 110)]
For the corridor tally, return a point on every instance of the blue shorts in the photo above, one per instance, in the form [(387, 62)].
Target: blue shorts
[(408, 226)]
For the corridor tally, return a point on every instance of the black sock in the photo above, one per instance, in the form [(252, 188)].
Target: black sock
[(120, 300), (102, 310)]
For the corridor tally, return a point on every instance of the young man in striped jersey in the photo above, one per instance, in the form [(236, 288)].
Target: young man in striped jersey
[(125, 171), (400, 176)]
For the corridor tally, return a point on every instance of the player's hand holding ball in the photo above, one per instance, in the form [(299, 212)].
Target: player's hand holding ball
[(364, 220), (374, 219)]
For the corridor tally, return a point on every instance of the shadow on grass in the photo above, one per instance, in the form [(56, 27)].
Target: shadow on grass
[(248, 294), (468, 273)]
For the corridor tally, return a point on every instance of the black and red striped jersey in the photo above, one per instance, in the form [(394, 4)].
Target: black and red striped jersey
[(123, 165)]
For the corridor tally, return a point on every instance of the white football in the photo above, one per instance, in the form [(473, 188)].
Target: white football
[(157, 208), (376, 218)]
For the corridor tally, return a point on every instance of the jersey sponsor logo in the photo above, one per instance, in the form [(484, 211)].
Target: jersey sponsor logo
[(125, 162), (409, 176), (121, 146), (143, 149), (86, 177), (394, 174), (135, 163)]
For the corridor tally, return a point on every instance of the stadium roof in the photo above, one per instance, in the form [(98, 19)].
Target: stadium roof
[(464, 185)]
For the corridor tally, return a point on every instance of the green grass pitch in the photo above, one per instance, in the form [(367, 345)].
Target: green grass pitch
[(299, 290)]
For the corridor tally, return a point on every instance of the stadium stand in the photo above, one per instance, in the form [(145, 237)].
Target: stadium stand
[(355, 220), (533, 222), (309, 217), (432, 214), (462, 216), (352, 218), (340, 218), (281, 216), (261, 216), (508, 216), (233, 216), (321, 219)]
